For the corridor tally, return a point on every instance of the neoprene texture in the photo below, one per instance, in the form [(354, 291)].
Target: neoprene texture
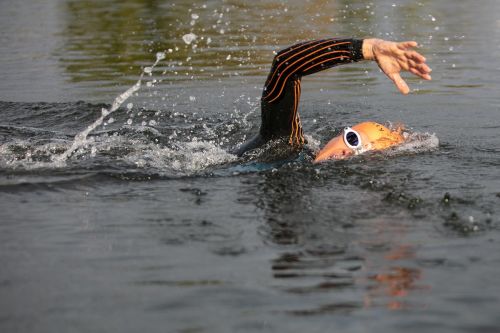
[(281, 94)]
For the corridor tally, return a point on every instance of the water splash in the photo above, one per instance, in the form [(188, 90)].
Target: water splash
[(81, 138), (183, 158), (416, 142)]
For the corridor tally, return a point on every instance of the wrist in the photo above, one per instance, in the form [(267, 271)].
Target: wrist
[(368, 45)]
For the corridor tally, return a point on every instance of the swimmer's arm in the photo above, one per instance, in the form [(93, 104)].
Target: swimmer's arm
[(392, 58), (314, 56), (307, 58)]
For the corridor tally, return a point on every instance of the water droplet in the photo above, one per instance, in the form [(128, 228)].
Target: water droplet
[(160, 56), (189, 38)]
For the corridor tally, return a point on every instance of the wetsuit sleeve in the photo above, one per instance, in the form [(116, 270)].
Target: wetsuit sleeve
[(280, 98)]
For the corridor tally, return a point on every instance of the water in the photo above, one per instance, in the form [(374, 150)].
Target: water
[(148, 223)]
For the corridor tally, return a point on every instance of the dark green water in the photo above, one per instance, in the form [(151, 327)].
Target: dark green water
[(151, 225)]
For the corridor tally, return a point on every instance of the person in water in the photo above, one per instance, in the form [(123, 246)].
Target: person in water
[(281, 95)]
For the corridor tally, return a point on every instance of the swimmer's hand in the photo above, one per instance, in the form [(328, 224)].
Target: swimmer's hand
[(392, 58)]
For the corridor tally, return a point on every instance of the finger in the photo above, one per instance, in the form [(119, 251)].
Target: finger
[(424, 76), (421, 67), (415, 56), (407, 45), (400, 83)]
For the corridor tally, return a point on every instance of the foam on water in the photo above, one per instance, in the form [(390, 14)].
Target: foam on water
[(21, 154), (177, 159), (184, 158), (417, 142)]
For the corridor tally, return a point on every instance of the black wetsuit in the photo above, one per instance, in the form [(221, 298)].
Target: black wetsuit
[(281, 95)]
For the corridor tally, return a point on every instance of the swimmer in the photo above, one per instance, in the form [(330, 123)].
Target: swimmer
[(281, 95)]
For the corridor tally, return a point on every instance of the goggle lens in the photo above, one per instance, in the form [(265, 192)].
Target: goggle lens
[(352, 139)]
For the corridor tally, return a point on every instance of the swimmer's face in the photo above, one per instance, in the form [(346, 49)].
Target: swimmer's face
[(335, 149), (360, 138)]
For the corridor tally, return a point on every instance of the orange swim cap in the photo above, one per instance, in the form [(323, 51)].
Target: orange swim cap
[(360, 138)]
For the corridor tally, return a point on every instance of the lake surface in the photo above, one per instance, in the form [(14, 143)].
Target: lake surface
[(149, 223)]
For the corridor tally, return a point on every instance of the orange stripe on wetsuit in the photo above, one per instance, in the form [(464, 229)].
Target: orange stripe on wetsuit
[(281, 95)]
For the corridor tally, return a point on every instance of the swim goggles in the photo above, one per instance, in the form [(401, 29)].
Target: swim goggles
[(352, 139)]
